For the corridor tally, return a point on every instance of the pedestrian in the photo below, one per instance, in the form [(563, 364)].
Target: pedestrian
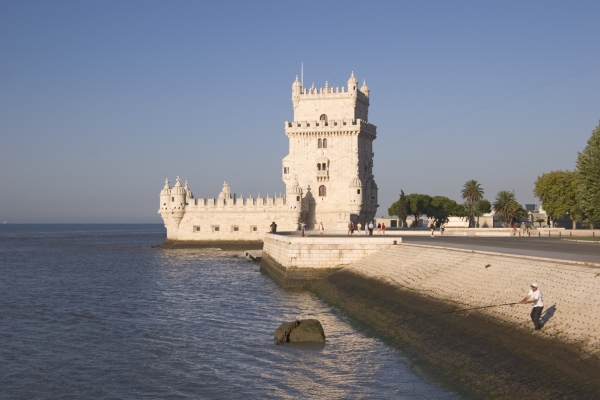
[(366, 228), (358, 226), (383, 228), (321, 229), (514, 231), (432, 227), (442, 228), (371, 228), (273, 227), (350, 228), (379, 228), (523, 228), (535, 297), (302, 227)]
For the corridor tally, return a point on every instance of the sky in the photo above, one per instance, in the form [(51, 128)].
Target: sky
[(100, 101)]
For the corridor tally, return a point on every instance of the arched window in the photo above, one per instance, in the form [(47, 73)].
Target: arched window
[(322, 191), (318, 166), (323, 117), (320, 144), (324, 143)]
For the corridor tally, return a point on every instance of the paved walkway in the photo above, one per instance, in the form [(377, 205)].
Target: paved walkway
[(531, 246)]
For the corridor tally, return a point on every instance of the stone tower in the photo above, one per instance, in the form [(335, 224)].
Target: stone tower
[(330, 156)]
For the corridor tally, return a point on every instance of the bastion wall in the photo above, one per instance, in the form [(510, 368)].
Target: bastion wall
[(233, 220), (296, 261)]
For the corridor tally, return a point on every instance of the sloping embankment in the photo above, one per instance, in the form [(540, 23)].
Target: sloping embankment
[(406, 295)]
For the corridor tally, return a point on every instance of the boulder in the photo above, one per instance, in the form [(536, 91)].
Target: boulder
[(305, 330)]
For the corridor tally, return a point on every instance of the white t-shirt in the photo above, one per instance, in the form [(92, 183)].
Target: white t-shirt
[(537, 295)]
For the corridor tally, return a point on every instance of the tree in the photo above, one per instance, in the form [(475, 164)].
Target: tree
[(399, 208), (441, 207), (402, 213), (417, 205), (507, 208), (484, 207), (588, 179), (558, 192), (472, 193), (540, 221)]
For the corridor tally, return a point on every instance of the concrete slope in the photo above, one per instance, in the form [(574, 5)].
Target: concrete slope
[(407, 294)]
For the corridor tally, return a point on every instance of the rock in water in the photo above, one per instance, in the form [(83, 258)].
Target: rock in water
[(305, 330)]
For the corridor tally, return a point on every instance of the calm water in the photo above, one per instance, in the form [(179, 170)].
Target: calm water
[(92, 311)]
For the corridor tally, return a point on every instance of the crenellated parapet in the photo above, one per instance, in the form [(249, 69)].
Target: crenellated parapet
[(333, 127), (238, 204)]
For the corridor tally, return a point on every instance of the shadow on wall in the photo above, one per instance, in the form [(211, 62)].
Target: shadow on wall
[(549, 313), (308, 210)]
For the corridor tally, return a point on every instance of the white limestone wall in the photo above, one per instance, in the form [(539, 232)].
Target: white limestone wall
[(241, 220), (474, 279), (322, 252)]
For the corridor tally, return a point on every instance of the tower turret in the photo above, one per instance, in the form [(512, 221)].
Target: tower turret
[(356, 194), (352, 84), (294, 196), (177, 202), (365, 88), (188, 193), (225, 193), (296, 91), (165, 199)]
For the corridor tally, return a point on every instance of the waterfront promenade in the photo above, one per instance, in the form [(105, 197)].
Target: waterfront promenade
[(560, 248), (546, 247)]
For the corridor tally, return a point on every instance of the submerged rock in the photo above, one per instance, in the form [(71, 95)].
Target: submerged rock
[(305, 330)]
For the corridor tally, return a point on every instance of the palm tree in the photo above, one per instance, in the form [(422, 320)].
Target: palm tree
[(507, 207), (472, 193)]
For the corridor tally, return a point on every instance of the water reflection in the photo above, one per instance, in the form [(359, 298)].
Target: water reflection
[(102, 315)]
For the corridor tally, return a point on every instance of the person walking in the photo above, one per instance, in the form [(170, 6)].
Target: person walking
[(371, 228), (514, 227), (442, 228), (366, 228), (302, 227), (432, 227), (321, 229), (379, 228), (535, 297), (383, 228), (358, 228), (350, 228), (273, 227)]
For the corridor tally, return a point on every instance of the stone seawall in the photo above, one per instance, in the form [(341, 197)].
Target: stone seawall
[(408, 295), (294, 261)]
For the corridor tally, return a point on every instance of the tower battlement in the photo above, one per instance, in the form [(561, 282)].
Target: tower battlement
[(330, 127), (331, 102)]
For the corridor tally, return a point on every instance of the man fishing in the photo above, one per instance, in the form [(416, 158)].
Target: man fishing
[(535, 297)]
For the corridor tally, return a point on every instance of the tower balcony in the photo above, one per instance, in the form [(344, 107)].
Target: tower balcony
[(333, 127)]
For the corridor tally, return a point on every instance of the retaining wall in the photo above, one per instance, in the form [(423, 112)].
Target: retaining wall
[(294, 261)]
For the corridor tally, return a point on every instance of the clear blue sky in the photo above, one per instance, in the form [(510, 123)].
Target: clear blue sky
[(100, 101)]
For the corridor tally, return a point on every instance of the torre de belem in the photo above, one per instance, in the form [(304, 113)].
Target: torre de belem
[(328, 175)]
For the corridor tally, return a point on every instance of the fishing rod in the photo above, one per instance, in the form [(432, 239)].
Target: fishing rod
[(468, 309)]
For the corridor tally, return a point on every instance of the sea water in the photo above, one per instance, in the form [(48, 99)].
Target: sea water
[(96, 312)]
